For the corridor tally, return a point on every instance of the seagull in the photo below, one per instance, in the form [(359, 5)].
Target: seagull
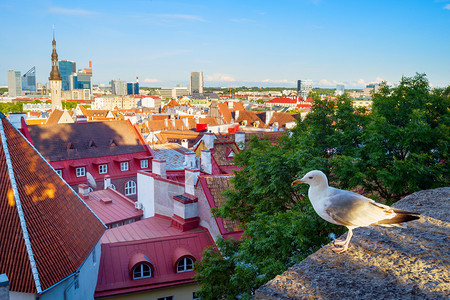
[(349, 209)]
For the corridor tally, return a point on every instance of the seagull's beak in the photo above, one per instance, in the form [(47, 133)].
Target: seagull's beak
[(298, 181)]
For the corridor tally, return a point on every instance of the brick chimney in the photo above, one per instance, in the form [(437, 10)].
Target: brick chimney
[(185, 208), (185, 123), (106, 182), (206, 164), (208, 140), (269, 115), (159, 167), (83, 190), (189, 160)]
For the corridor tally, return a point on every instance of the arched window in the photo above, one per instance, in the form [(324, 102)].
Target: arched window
[(130, 188), (185, 264), (142, 271)]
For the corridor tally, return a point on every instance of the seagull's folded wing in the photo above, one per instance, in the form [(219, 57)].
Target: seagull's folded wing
[(353, 210)]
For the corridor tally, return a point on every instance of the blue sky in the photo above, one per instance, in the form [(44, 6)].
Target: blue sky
[(234, 43)]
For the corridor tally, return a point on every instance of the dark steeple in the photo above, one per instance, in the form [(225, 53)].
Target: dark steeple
[(54, 74)]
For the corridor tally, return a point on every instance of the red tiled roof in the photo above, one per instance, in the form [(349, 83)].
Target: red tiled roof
[(160, 243), (54, 117), (112, 207), (52, 141), (213, 186), (62, 230), (282, 100)]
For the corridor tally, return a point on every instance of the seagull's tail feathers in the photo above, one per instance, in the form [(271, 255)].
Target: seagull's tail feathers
[(400, 216)]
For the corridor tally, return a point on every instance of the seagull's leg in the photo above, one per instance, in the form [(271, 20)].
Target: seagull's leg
[(343, 246)]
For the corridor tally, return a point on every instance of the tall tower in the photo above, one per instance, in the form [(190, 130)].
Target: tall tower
[(196, 86), (55, 79)]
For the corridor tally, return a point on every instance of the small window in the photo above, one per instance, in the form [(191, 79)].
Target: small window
[(142, 271), (81, 172), (124, 166), (144, 164), (59, 172), (166, 298), (103, 169), (185, 264), (130, 188)]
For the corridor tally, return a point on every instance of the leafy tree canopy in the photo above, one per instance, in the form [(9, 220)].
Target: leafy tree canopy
[(397, 148)]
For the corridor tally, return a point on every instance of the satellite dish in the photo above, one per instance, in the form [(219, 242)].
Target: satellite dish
[(90, 180)]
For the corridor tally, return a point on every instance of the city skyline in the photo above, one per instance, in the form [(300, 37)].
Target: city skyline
[(249, 43)]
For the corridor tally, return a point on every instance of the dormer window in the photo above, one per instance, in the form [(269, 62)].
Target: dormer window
[(103, 169), (70, 146), (112, 143), (92, 144), (124, 166), (81, 171), (144, 163), (142, 271), (185, 264)]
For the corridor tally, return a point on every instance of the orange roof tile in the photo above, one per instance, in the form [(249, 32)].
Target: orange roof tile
[(61, 229)]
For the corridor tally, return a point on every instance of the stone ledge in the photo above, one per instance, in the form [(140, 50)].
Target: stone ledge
[(381, 262)]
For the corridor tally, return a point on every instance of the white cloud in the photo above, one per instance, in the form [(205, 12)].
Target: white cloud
[(70, 11), (219, 77), (151, 80), (326, 82), (379, 79), (447, 6), (361, 82), (275, 81)]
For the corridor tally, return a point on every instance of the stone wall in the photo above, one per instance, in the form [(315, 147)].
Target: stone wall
[(381, 262)]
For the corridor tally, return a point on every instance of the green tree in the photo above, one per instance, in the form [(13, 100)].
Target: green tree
[(405, 146), (398, 148)]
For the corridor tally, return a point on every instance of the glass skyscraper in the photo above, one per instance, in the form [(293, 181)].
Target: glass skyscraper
[(132, 88), (66, 68), (29, 80)]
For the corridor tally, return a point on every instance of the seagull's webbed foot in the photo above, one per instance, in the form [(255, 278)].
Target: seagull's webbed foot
[(340, 249), (339, 243), (342, 245)]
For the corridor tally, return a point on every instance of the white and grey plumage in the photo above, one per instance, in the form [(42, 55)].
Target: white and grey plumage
[(349, 209)]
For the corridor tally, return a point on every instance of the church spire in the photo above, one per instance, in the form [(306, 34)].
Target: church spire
[(54, 74)]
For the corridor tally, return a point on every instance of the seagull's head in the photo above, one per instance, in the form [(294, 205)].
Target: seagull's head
[(313, 178)]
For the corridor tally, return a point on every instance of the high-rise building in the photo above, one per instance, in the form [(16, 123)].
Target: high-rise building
[(29, 80), (196, 86), (118, 87), (133, 88), (340, 90), (304, 87), (67, 68), (55, 79), (14, 83)]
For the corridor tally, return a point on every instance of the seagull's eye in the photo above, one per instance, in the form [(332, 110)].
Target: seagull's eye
[(310, 177)]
